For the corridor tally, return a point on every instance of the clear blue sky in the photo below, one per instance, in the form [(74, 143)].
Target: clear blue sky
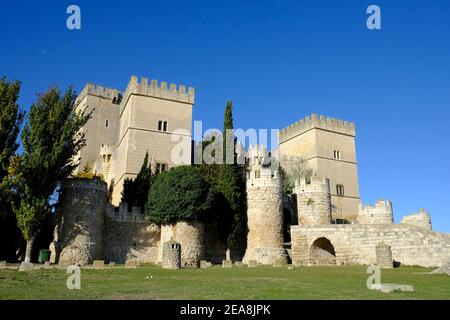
[(278, 61)]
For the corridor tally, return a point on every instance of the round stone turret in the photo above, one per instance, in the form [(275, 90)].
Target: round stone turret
[(80, 227), (313, 201), (381, 213), (264, 218), (421, 220), (191, 236)]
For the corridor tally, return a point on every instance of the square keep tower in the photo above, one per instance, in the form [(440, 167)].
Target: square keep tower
[(328, 145)]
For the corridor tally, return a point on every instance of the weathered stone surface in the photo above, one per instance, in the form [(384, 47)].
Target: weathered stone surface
[(380, 213), (227, 264), (2, 264), (313, 201), (190, 235), (99, 265), (64, 264), (112, 264), (421, 220), (47, 265), (128, 235), (355, 243), (83, 206), (291, 267), (252, 264), (442, 270), (264, 217), (392, 287), (171, 255), (203, 264), (25, 266), (384, 256), (238, 264), (131, 264)]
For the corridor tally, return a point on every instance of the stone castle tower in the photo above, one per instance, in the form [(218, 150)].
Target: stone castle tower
[(328, 145), (313, 201), (264, 211), (124, 126)]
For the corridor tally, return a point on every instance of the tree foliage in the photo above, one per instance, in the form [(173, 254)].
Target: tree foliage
[(231, 186), (51, 140), (179, 194), (135, 191), (295, 168), (11, 118)]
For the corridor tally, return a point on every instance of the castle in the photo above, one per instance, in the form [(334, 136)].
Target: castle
[(322, 222)]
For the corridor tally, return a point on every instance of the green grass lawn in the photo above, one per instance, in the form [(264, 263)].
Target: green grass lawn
[(242, 283)]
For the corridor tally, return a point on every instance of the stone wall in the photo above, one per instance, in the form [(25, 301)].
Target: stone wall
[(78, 235), (355, 244), (313, 201), (190, 235), (265, 218), (126, 240), (421, 219), (381, 213)]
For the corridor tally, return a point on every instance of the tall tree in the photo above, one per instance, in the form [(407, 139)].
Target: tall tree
[(51, 140), (135, 191), (143, 183), (11, 118), (231, 185)]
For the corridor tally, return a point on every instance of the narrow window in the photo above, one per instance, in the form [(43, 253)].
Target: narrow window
[(159, 125), (337, 154), (107, 123), (340, 190), (165, 126)]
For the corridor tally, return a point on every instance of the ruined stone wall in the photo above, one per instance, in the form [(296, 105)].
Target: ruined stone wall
[(190, 235), (126, 240), (313, 201), (78, 236), (355, 244), (265, 218), (381, 213), (421, 219)]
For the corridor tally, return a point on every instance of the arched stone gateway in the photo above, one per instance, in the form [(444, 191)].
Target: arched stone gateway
[(322, 252)]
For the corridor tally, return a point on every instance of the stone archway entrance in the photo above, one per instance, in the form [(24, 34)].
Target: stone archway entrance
[(322, 252)]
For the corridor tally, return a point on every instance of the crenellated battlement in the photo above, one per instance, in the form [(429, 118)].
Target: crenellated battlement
[(421, 219), (380, 213), (315, 121), (96, 90), (263, 177), (159, 90), (314, 185), (121, 213)]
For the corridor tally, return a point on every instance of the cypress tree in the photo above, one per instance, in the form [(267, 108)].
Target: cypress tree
[(231, 188)]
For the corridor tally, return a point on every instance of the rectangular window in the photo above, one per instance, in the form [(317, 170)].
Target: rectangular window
[(161, 167), (159, 125), (165, 126), (337, 154), (107, 123), (340, 190)]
